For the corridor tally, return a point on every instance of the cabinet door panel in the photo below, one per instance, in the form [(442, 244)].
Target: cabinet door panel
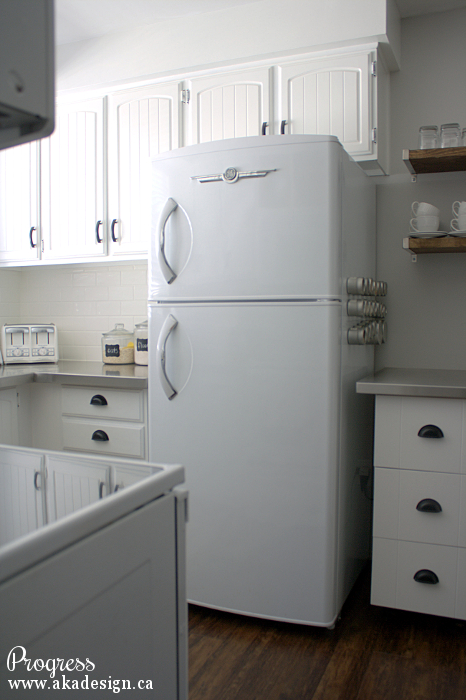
[(229, 105), (142, 124), (21, 501), (72, 182), (71, 485), (330, 96), (19, 211)]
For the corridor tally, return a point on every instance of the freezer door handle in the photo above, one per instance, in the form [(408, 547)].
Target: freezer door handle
[(169, 325), (168, 209)]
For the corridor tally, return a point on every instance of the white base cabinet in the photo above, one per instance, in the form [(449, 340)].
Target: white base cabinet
[(419, 527), (105, 421), (77, 418)]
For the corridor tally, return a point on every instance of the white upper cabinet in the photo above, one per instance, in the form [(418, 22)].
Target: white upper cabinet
[(229, 105), (72, 180), (141, 124), (95, 180), (337, 95), (19, 210)]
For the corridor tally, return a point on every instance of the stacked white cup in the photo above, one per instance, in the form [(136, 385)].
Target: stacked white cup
[(426, 217), (459, 223)]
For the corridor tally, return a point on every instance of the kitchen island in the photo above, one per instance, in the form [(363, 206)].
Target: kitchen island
[(419, 524)]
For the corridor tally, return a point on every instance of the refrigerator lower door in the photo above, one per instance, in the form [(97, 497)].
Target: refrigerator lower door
[(247, 397)]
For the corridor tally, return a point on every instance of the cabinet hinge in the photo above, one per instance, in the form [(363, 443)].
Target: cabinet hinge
[(185, 96), (42, 246), (17, 399), (374, 135), (374, 68)]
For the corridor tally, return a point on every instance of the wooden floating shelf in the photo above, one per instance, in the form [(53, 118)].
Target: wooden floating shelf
[(435, 160), (448, 244)]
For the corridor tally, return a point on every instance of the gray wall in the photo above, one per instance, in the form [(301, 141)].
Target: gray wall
[(427, 299)]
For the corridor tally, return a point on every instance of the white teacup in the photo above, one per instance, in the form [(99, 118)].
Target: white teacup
[(424, 209), (427, 224), (459, 208), (458, 224)]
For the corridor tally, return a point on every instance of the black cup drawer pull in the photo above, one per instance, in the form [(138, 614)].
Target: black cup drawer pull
[(425, 576), (430, 431), (99, 400), (429, 505), (100, 436)]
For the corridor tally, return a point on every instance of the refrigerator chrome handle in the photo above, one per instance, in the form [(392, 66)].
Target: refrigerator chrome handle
[(169, 325), (168, 209)]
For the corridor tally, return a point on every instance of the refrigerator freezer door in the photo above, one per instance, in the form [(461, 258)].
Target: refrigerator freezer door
[(255, 424), (256, 217)]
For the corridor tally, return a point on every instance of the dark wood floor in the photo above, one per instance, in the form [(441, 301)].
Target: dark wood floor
[(373, 654)]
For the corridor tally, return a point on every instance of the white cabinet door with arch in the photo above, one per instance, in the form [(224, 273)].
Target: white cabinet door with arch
[(19, 205), (72, 177), (334, 95), (141, 124), (230, 105)]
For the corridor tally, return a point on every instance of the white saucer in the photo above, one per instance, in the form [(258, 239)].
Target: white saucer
[(432, 234), (457, 234)]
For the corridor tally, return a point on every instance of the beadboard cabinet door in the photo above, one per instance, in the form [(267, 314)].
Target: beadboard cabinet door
[(141, 124), (336, 95), (72, 179), (72, 484), (230, 105), (22, 480), (19, 204)]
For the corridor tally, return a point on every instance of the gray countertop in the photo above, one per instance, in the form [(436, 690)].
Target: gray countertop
[(395, 381), (76, 373)]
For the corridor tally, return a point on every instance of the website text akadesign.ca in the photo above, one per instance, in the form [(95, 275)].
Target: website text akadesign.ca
[(57, 668)]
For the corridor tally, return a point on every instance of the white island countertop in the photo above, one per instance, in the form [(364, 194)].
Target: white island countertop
[(75, 373), (396, 381)]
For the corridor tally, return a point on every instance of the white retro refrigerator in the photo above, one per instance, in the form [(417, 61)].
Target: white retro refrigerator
[(251, 379)]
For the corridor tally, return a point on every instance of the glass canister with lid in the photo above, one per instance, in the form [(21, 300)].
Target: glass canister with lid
[(118, 346), (141, 343)]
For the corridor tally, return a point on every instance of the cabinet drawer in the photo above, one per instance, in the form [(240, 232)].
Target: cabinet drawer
[(406, 501), (394, 565), (123, 438), (398, 434), (108, 403)]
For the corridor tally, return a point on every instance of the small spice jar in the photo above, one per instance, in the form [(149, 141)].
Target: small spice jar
[(118, 346), (141, 343)]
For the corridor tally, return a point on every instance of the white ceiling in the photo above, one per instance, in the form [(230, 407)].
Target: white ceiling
[(77, 20)]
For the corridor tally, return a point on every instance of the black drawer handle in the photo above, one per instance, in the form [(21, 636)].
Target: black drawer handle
[(428, 505), (99, 400), (430, 431), (100, 436), (425, 576)]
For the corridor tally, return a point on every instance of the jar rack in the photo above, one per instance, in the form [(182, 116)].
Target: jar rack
[(372, 330)]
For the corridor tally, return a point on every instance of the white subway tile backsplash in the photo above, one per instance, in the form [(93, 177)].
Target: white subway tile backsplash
[(84, 279), (133, 308), (121, 292), (84, 302), (96, 293), (70, 293)]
